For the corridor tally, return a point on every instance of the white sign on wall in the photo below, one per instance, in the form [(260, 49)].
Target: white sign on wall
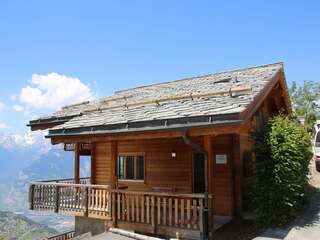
[(221, 159)]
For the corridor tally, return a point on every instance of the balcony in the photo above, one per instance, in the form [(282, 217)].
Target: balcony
[(155, 210)]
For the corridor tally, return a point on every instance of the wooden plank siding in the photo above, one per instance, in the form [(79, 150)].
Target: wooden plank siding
[(222, 177), (160, 169), (104, 171), (163, 171)]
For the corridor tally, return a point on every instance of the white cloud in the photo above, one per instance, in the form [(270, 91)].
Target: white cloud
[(18, 108), (2, 106), (30, 140), (53, 91), (3, 125)]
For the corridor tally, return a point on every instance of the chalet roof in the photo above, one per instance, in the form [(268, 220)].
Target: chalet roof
[(216, 98)]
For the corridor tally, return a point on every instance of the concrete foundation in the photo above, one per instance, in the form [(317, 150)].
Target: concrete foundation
[(85, 225)]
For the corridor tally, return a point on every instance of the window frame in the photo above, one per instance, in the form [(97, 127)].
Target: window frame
[(135, 155)]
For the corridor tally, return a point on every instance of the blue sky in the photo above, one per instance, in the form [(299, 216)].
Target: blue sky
[(113, 45)]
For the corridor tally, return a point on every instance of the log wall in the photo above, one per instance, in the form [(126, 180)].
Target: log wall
[(163, 171)]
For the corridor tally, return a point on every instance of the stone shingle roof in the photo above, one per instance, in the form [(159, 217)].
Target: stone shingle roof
[(225, 93)]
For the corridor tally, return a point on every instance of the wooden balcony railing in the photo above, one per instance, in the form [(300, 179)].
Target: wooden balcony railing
[(71, 199), (159, 209), (62, 236), (164, 209)]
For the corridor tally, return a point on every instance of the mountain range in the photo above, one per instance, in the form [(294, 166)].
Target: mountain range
[(13, 226), (29, 157)]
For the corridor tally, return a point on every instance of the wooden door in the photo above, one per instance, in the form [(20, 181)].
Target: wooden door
[(198, 173)]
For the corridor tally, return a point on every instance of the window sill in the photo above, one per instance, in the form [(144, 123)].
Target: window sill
[(130, 181)]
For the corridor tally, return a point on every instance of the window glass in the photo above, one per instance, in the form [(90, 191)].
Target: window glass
[(120, 167), (318, 137), (131, 167), (140, 167)]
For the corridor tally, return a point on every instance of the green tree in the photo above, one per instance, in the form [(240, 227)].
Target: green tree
[(305, 100), (281, 170)]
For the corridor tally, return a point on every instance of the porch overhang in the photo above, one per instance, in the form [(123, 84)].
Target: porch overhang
[(162, 124), (155, 126)]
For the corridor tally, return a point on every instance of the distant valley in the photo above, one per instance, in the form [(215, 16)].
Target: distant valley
[(24, 159), (13, 226)]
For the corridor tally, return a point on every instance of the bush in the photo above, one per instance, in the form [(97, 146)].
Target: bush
[(283, 152)]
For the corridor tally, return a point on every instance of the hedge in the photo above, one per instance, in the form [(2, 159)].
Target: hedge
[(283, 152)]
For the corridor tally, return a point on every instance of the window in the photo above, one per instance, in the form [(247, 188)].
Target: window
[(317, 139), (131, 167)]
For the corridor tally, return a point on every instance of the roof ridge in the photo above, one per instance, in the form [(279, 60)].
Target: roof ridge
[(199, 76)]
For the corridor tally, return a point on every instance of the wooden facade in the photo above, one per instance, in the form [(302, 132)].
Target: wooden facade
[(165, 200), (163, 171)]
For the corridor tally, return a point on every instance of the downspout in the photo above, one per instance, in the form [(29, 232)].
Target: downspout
[(205, 213)]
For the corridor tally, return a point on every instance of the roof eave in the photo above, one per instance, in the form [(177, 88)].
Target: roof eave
[(165, 124), (49, 122)]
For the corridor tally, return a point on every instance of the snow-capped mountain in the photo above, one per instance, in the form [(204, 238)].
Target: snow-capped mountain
[(29, 157)]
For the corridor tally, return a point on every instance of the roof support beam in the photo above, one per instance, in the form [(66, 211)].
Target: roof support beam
[(93, 164), (257, 103), (192, 132), (76, 164)]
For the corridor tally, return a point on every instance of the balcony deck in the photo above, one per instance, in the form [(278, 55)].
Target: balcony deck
[(150, 211)]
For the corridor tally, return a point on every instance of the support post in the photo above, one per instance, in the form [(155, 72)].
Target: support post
[(207, 143), (114, 208), (31, 193), (77, 163), (205, 213), (238, 175), (56, 199), (86, 200), (153, 214), (93, 164), (114, 159)]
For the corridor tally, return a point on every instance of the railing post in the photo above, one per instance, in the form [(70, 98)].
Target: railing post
[(201, 224), (31, 198), (56, 199), (114, 208), (153, 214), (86, 200)]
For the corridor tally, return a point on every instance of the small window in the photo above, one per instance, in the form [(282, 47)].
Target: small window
[(318, 137), (131, 167)]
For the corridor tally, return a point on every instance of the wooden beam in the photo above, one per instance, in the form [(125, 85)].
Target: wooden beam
[(237, 89), (269, 90), (93, 164), (259, 100), (237, 175), (285, 95), (207, 144), (76, 164), (44, 126), (192, 132), (114, 161)]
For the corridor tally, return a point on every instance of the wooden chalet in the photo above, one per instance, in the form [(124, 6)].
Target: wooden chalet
[(165, 158)]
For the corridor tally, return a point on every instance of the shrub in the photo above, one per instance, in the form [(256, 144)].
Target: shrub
[(283, 152)]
